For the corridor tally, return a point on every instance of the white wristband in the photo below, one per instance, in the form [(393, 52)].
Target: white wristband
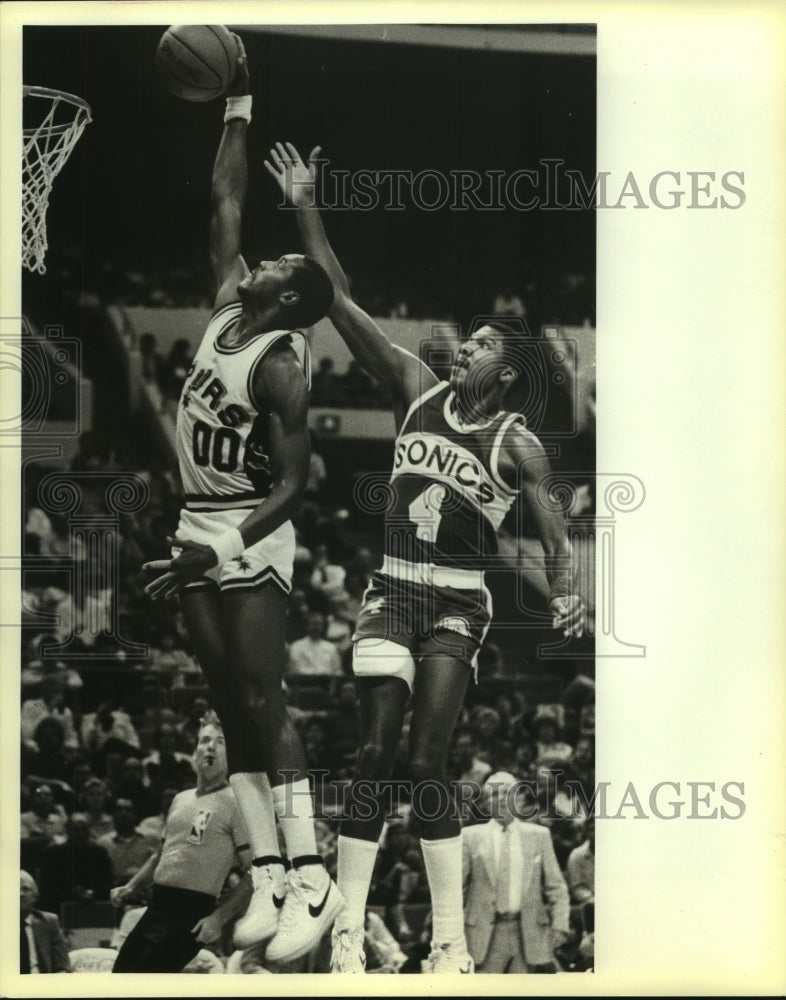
[(238, 107), (228, 546)]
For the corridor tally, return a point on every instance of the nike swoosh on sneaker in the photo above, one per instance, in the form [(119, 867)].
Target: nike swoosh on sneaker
[(278, 901), (315, 911)]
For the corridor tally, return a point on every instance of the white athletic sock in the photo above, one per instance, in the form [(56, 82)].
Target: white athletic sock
[(443, 868), (255, 800), (295, 810), (356, 860)]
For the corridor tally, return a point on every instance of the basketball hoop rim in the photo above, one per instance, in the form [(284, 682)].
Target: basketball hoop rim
[(78, 102)]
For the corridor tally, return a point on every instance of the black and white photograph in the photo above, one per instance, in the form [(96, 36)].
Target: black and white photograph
[(370, 534)]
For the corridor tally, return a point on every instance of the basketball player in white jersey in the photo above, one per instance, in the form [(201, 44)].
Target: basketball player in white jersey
[(460, 461), (243, 449), (204, 838)]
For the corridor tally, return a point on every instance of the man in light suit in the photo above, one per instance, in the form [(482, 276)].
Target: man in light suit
[(42, 946), (516, 905)]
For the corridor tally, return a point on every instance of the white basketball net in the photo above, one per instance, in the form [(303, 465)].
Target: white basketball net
[(46, 148)]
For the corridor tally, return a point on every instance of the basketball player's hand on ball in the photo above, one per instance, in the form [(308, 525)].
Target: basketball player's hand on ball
[(191, 563), (569, 615), (241, 83), (297, 180)]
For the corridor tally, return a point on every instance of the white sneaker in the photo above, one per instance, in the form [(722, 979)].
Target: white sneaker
[(349, 954), (261, 919), (310, 907), (449, 956)]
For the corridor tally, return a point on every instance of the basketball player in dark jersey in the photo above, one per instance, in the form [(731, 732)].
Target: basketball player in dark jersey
[(459, 463), (243, 450)]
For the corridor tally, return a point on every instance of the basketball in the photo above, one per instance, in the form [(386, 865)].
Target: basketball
[(196, 62)]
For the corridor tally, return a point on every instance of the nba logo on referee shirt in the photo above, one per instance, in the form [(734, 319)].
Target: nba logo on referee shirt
[(199, 826)]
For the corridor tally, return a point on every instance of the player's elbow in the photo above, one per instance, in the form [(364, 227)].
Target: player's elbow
[(292, 488)]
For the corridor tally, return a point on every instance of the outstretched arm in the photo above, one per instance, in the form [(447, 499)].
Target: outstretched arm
[(404, 375), (526, 467), (230, 182)]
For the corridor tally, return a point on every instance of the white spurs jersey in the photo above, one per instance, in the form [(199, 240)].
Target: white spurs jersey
[(222, 434)]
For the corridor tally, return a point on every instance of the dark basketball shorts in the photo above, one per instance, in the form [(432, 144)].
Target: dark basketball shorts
[(424, 620)]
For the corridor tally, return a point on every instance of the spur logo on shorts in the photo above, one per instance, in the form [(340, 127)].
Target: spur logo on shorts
[(199, 826), (453, 623)]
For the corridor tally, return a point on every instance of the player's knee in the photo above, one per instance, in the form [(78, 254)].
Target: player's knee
[(427, 764), (374, 760)]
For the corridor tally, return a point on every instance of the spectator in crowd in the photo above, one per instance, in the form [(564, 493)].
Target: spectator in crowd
[(580, 869), (526, 768), (360, 567), (580, 767), (166, 764), (486, 723), (325, 384), (343, 722), (77, 871), (50, 764), (131, 785), (152, 360), (503, 754), (552, 751), (516, 901), (35, 670), (466, 771), (327, 576), (356, 387), (466, 765), (108, 724), (93, 802), (42, 944), (355, 584), (313, 654), (170, 660), (317, 472), (339, 625), (578, 695), (43, 825), (128, 849), (82, 773), (319, 753), (50, 703), (396, 842), (176, 367)]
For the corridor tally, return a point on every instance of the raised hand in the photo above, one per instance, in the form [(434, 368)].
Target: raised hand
[(241, 83), (296, 179)]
